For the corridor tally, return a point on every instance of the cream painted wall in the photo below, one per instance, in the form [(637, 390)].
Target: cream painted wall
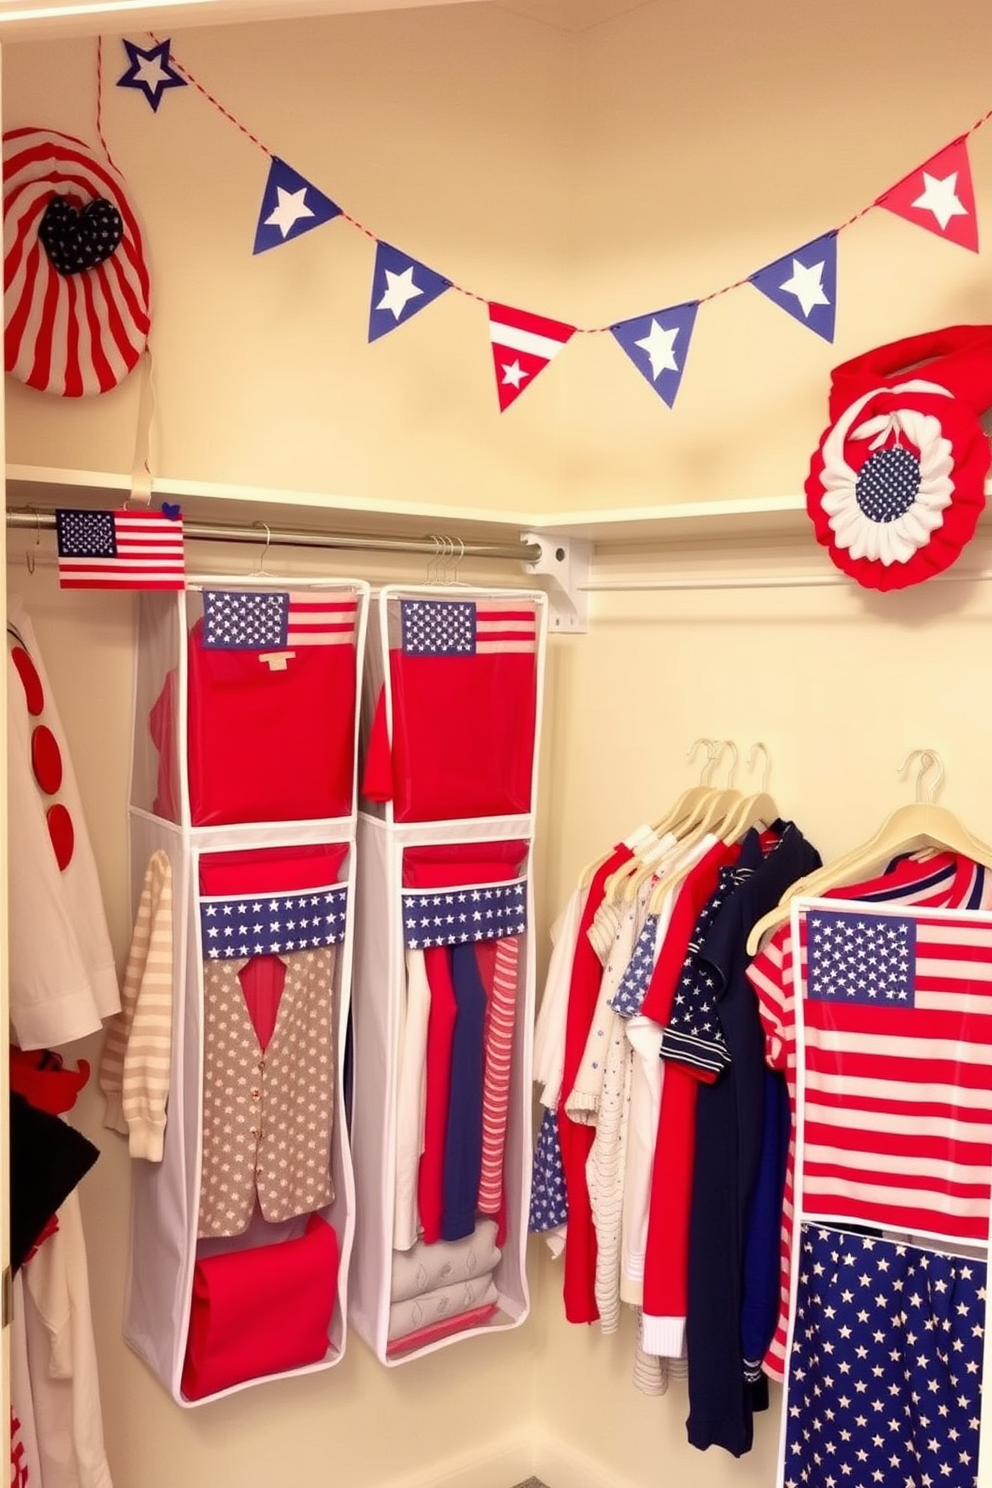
[(589, 176), (593, 177)]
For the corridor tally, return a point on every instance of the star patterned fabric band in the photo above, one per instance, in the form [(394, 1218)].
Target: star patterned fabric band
[(272, 924), (433, 917)]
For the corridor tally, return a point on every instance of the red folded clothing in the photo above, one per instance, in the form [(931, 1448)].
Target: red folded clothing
[(261, 1311)]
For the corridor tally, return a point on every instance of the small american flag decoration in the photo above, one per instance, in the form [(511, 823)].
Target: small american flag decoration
[(120, 550)]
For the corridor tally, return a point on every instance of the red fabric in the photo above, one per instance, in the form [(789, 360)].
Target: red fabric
[(576, 1140), (34, 693), (45, 1081), (440, 1034), (666, 1259), (450, 864), (262, 981), (463, 736), (162, 725), (261, 1311), (958, 358), (272, 870), (265, 744), (46, 759), (420, 1337)]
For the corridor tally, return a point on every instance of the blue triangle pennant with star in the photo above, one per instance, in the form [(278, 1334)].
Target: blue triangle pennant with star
[(400, 287), (658, 345), (291, 205), (804, 283)]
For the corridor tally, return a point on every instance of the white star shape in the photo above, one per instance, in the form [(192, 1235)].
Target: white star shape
[(659, 343), (150, 72), (513, 374), (939, 196), (400, 290), (291, 208), (806, 283)]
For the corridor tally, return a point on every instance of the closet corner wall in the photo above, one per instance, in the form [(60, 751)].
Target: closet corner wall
[(244, 776), (428, 879)]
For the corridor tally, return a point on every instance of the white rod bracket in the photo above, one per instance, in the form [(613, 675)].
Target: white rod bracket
[(564, 566)]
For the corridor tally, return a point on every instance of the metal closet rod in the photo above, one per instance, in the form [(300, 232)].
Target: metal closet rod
[(442, 546)]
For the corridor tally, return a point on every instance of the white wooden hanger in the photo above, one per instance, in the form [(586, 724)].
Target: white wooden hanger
[(921, 824), (709, 817)]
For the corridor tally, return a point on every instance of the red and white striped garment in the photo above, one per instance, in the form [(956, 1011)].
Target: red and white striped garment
[(944, 882), (69, 334), (496, 1080)]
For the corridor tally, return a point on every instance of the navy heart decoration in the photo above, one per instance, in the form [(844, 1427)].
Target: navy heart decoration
[(171, 510), (77, 239)]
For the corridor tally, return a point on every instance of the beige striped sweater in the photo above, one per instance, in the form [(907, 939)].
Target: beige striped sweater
[(137, 1054)]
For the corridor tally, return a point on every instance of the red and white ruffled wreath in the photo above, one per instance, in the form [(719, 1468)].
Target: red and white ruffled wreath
[(896, 486)]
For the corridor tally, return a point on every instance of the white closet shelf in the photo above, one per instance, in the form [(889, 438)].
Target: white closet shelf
[(607, 528)]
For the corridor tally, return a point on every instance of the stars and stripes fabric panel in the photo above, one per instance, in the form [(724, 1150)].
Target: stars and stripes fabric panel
[(884, 1384), (898, 1070), (274, 620), (946, 882), (447, 628), (447, 917), (70, 334), (500, 1025), (119, 550), (272, 924)]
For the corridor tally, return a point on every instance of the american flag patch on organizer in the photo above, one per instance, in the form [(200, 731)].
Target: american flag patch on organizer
[(257, 620), (898, 1069), (463, 627)]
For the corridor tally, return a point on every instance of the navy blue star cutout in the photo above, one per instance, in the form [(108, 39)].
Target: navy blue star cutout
[(150, 71)]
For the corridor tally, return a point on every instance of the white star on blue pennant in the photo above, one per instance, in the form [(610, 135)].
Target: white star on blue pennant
[(401, 287), (804, 284), (291, 205)]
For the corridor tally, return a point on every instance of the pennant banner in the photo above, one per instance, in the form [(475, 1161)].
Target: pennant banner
[(658, 345), (291, 205), (119, 550), (939, 196), (523, 345), (400, 287), (804, 283)]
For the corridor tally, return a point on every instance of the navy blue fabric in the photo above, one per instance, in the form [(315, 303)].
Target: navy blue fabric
[(731, 1134), (463, 1139)]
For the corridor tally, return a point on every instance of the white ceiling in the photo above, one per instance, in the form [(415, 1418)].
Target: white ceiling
[(32, 19)]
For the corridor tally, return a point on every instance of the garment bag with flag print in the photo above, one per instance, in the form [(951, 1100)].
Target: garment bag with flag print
[(271, 703), (892, 1089), (454, 724)]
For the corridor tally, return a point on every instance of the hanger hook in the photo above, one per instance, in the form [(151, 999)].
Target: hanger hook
[(449, 553), (710, 757), (929, 759), (268, 543), (458, 560), (723, 744), (766, 762)]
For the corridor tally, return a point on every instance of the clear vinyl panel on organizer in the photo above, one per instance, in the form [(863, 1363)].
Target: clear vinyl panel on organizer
[(891, 1081)]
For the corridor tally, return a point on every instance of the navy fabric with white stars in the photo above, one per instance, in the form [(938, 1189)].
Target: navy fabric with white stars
[(630, 994), (440, 917), (694, 1034), (857, 959), (548, 1200), (887, 484), (884, 1385), (238, 620), (272, 924), (85, 534), (437, 627), (77, 238)]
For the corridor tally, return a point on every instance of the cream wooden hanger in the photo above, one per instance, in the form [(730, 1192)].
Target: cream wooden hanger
[(649, 856), (708, 818), (921, 824), (753, 809), (688, 828)]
